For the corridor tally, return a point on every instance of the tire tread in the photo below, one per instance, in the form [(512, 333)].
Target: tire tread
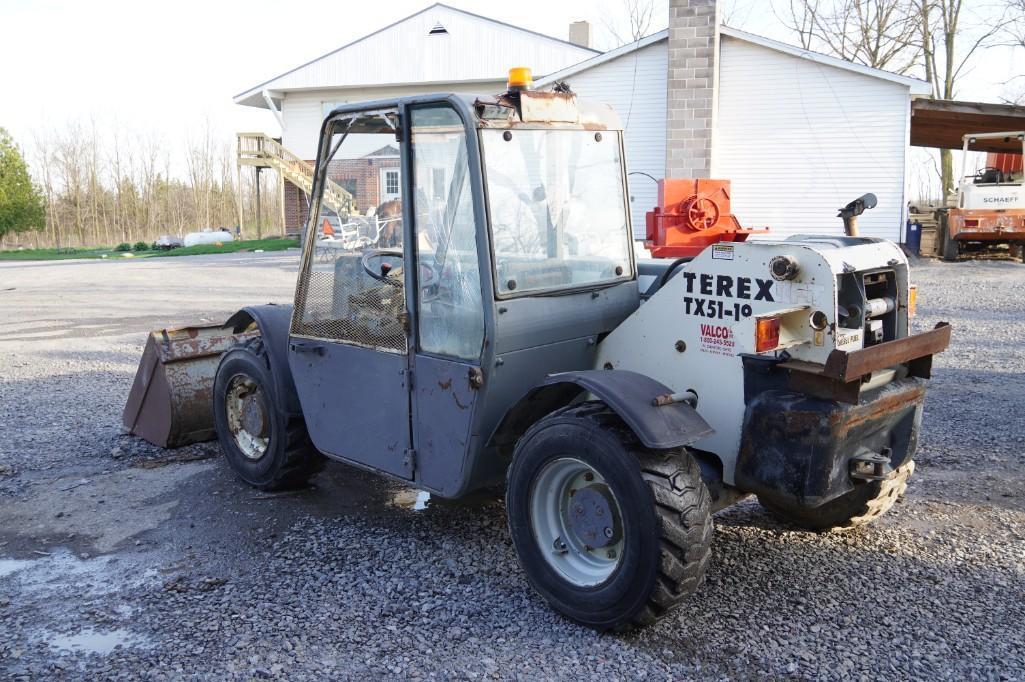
[(842, 514)]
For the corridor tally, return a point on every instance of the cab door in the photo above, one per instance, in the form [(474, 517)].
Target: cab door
[(449, 303), (348, 348)]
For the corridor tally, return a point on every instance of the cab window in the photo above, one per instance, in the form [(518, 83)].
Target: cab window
[(557, 208), (450, 307)]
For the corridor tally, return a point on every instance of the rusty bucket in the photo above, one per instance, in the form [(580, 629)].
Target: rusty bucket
[(171, 401)]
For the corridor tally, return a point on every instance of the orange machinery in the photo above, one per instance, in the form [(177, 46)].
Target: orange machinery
[(1005, 162), (692, 214)]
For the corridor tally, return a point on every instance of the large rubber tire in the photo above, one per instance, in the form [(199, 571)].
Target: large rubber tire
[(950, 249), (664, 511), (861, 506), (290, 458)]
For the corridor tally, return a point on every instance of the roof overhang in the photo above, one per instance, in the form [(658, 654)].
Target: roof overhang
[(602, 58), (254, 98), (914, 85), (944, 123)]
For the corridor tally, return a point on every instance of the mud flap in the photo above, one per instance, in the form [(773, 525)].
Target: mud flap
[(171, 400)]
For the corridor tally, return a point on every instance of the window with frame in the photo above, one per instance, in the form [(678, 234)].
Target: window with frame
[(557, 207), (351, 284), (450, 305), (391, 181)]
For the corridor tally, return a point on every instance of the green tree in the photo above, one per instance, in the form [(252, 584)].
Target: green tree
[(21, 203)]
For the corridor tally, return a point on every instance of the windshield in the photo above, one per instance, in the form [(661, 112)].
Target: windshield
[(558, 210)]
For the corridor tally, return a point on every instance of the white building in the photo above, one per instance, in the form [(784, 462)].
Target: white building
[(798, 133)]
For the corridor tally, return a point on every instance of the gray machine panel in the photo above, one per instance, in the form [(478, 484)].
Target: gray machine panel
[(444, 402), (537, 320), (355, 401)]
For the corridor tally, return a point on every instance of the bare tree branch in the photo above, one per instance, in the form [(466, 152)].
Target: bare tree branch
[(637, 23), (877, 33)]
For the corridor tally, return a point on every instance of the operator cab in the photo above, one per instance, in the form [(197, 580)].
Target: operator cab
[(456, 236), (987, 187)]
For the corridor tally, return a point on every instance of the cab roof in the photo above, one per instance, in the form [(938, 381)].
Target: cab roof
[(524, 109)]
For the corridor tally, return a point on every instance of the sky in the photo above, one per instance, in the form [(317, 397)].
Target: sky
[(170, 68)]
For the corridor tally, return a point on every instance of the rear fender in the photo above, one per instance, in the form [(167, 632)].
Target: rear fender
[(630, 395), (274, 322)]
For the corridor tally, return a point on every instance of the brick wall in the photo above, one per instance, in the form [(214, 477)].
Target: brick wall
[(693, 50), (365, 172), (296, 211)]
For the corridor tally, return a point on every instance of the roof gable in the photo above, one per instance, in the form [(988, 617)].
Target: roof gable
[(438, 44)]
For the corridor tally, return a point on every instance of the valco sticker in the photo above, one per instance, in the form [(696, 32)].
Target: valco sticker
[(717, 339), (722, 251)]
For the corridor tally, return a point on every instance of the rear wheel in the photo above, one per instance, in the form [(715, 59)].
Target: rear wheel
[(859, 507), (950, 248), (267, 449), (611, 534)]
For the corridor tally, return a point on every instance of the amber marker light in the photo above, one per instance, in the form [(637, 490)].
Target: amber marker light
[(520, 78), (766, 334)]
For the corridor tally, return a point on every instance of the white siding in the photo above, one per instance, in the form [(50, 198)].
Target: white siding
[(635, 86), (303, 111), (799, 139), (475, 48)]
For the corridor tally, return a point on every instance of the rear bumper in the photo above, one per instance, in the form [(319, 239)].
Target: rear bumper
[(987, 225), (800, 449), (813, 432)]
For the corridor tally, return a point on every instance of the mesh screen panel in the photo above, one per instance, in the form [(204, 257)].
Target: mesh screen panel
[(337, 300)]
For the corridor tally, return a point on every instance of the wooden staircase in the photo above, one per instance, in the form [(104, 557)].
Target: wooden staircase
[(257, 149)]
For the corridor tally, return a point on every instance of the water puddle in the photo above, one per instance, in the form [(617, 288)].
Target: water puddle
[(91, 641), (413, 500), (9, 566), (63, 570)]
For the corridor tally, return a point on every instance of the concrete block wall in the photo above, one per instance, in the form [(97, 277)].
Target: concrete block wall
[(690, 115)]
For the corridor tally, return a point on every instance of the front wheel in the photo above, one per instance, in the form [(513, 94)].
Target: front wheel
[(267, 449), (611, 534), (861, 506)]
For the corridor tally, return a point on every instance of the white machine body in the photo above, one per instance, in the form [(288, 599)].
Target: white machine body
[(817, 294)]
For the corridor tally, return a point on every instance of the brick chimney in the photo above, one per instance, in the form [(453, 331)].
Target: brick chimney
[(693, 53), (580, 33)]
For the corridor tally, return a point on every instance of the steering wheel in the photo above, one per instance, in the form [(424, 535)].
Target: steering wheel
[(428, 277), (381, 274)]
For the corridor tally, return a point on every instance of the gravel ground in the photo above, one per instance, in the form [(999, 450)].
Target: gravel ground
[(120, 560)]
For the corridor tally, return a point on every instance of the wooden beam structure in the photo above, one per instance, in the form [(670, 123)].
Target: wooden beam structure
[(943, 123)]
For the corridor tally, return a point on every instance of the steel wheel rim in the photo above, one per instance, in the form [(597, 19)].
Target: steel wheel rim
[(240, 389), (551, 496)]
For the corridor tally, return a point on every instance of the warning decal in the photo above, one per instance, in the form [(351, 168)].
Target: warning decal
[(722, 251), (717, 339)]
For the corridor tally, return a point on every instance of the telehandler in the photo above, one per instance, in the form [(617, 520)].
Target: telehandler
[(511, 335)]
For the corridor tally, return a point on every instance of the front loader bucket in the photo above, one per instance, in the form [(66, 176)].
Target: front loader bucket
[(171, 401)]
